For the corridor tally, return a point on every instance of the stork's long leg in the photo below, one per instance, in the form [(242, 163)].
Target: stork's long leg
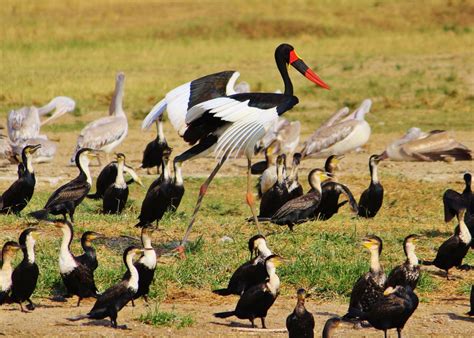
[(202, 192), (250, 198)]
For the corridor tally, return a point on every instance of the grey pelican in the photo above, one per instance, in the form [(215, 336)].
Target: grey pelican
[(25, 123), (340, 137), (108, 132), (284, 137), (43, 154), (209, 115), (436, 145)]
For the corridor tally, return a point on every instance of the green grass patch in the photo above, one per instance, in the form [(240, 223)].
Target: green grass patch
[(156, 317)]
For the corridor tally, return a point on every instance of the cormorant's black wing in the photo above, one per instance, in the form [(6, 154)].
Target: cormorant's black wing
[(109, 296), (300, 203), (71, 191), (453, 202)]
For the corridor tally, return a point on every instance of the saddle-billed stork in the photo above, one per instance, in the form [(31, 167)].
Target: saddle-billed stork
[(211, 116)]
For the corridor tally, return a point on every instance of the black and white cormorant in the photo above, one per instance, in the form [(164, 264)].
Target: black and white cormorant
[(259, 167), (17, 196), (392, 310), (250, 273), (109, 303), (330, 326), (67, 197), (369, 287), (152, 156), (301, 209), (77, 277), (454, 201), (145, 266), (452, 252), (116, 195), (26, 274), (372, 198), (278, 194), (408, 273), (257, 300), (158, 198), (9, 251), (300, 323), (89, 257), (107, 177), (294, 187), (177, 188)]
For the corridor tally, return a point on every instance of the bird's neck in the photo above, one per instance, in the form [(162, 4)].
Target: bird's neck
[(7, 264), (263, 250), (178, 177), (27, 160), (300, 309), (66, 242), (165, 170), (120, 180), (273, 282), (161, 134), (374, 173), (47, 108), (464, 233), (315, 184), (283, 68), (411, 256), (375, 261), (84, 168), (116, 104), (29, 252), (133, 281), (280, 175)]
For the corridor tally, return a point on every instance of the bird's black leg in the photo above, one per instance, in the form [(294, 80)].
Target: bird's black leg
[(385, 333), (113, 322), (447, 275), (71, 215), (21, 308), (30, 305), (399, 332), (79, 301), (251, 321), (133, 303), (145, 297), (202, 192), (263, 323), (250, 198)]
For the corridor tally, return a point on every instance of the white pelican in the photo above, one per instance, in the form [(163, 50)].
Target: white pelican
[(436, 145), (107, 132), (340, 137), (24, 123), (209, 115)]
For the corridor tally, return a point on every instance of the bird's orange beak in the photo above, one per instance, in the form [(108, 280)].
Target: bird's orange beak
[(300, 66)]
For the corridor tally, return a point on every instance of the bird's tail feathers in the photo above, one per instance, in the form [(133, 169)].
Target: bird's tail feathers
[(75, 319), (224, 314), (222, 292), (39, 214), (93, 196), (423, 262)]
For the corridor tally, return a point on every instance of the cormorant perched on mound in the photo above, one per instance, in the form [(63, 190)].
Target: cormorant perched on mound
[(145, 266), (250, 273), (277, 195), (158, 199), (330, 326), (116, 195), (25, 275), (152, 156), (257, 300), (67, 197), (89, 258), (301, 209), (117, 296), (372, 198), (454, 249), (17, 196), (369, 287), (393, 309), (300, 323), (107, 177), (294, 187), (77, 277), (9, 251), (408, 273)]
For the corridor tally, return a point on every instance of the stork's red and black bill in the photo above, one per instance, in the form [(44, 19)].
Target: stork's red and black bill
[(300, 66)]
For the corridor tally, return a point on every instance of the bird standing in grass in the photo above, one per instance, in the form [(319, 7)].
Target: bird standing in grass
[(372, 198), (113, 299), (9, 251), (25, 275), (408, 273), (152, 156), (116, 195), (67, 197), (300, 323), (89, 257), (257, 300), (277, 195)]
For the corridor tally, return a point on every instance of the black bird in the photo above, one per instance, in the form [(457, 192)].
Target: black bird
[(372, 198), (300, 323), (301, 209), (177, 188), (471, 313), (9, 251), (454, 201), (158, 198), (278, 194), (250, 273), (117, 296), (329, 327), (26, 274), (408, 273), (67, 197), (89, 257), (259, 167), (152, 156), (392, 310), (454, 249), (369, 287), (78, 278), (294, 187), (145, 266), (257, 300), (330, 166), (17, 196), (116, 195)]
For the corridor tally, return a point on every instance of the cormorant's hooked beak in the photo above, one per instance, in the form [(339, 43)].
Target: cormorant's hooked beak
[(383, 156), (34, 148), (300, 66)]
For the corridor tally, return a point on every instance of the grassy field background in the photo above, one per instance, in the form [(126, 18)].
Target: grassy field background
[(413, 58)]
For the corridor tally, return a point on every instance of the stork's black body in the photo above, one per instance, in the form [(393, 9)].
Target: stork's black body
[(18, 195), (25, 275), (330, 205), (67, 197), (372, 198)]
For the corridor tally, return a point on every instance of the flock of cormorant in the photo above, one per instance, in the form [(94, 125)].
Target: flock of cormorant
[(208, 113)]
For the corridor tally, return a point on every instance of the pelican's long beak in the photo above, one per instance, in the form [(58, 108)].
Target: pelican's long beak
[(300, 66), (56, 114)]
